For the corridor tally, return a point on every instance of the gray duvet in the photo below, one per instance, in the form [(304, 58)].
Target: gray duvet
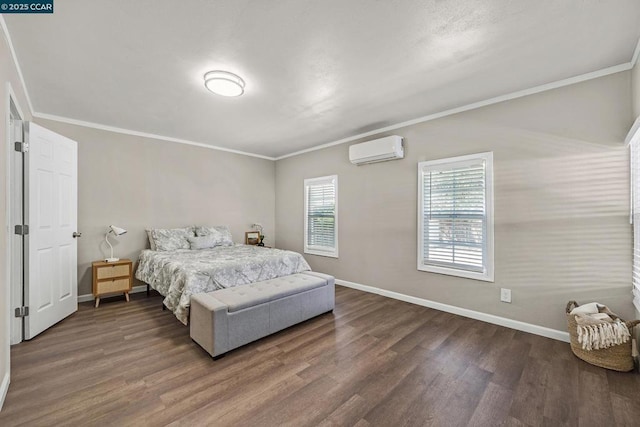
[(180, 273)]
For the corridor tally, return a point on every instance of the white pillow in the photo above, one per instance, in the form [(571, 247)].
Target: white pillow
[(170, 239), (206, 242), (221, 230), (590, 308)]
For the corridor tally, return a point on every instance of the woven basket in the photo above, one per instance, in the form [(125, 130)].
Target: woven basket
[(617, 357)]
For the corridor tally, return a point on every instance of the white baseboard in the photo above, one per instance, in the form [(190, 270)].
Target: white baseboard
[(4, 388), (489, 318), (134, 290)]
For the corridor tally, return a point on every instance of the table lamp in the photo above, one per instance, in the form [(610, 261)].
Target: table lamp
[(118, 232)]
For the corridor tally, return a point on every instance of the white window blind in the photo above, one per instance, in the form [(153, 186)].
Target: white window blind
[(635, 216), (321, 216), (455, 218)]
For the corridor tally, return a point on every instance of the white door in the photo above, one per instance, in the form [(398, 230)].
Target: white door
[(51, 211)]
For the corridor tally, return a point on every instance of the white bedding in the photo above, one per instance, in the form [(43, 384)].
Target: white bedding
[(180, 273)]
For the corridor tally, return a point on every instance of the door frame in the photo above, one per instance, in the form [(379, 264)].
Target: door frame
[(14, 325), (10, 99)]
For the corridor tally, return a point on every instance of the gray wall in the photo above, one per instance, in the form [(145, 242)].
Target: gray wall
[(138, 183), (561, 204)]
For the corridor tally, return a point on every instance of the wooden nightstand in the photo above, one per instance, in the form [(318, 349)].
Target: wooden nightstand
[(112, 277)]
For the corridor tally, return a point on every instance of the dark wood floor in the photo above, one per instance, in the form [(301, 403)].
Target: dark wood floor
[(374, 361)]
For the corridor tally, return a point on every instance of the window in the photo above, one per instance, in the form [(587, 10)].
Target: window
[(321, 216), (635, 211), (455, 216)]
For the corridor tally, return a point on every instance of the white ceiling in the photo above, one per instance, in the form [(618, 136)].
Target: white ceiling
[(315, 71)]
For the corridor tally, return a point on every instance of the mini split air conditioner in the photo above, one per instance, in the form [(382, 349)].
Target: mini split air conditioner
[(378, 150)]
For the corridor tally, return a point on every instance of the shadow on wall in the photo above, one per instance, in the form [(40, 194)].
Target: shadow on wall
[(566, 219)]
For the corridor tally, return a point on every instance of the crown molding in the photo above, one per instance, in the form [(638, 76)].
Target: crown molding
[(507, 97), (513, 95), (98, 126), (144, 134), (7, 37)]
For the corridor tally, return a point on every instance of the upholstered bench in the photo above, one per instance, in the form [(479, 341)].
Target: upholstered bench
[(229, 318)]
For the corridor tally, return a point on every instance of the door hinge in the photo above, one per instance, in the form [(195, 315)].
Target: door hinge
[(22, 230), (22, 311), (22, 147)]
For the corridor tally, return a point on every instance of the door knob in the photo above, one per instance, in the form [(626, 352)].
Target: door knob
[(76, 234)]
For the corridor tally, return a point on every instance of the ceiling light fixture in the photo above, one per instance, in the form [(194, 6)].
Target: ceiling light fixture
[(224, 83)]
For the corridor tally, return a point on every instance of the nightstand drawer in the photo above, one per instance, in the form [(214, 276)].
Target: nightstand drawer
[(113, 271), (108, 286)]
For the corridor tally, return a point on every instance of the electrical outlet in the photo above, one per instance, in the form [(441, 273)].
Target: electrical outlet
[(505, 295)]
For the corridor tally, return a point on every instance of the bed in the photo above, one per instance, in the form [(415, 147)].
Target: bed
[(178, 274)]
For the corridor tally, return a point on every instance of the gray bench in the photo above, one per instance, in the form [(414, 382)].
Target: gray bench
[(229, 318)]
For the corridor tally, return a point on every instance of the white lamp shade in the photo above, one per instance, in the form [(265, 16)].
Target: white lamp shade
[(117, 230)]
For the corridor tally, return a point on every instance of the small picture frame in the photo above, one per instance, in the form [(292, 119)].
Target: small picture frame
[(251, 237)]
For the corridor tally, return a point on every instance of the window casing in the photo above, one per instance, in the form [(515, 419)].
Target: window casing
[(455, 216), (634, 143), (321, 216)]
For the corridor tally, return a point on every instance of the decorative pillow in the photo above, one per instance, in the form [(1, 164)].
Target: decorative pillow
[(172, 239), (206, 242), (590, 308), (152, 243), (221, 230)]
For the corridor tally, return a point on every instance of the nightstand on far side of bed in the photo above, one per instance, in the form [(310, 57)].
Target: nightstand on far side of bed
[(112, 277)]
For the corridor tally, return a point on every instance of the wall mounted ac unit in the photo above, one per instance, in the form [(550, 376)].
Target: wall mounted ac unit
[(378, 150)]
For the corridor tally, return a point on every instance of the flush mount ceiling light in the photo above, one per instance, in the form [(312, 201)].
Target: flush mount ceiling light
[(224, 83)]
